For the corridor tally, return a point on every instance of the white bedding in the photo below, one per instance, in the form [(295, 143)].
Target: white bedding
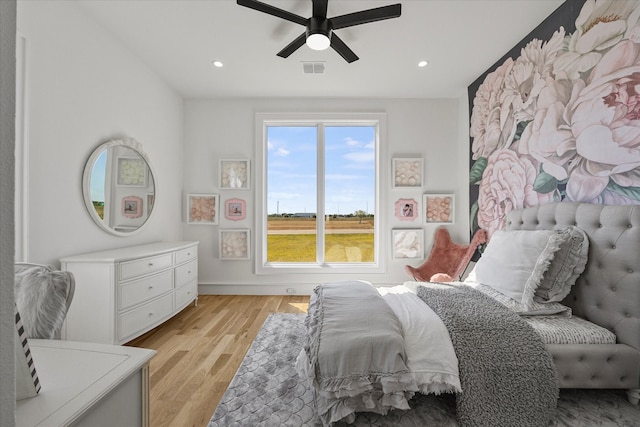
[(430, 354), (369, 352)]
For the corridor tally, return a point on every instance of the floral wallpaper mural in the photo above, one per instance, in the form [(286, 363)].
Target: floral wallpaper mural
[(558, 117)]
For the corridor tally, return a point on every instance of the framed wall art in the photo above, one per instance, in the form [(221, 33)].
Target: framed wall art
[(408, 243), (132, 207), (407, 172), (406, 209), (132, 172), (235, 174), (235, 244), (439, 208), (202, 209), (235, 209)]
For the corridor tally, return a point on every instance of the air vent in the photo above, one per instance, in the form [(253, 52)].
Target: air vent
[(313, 67)]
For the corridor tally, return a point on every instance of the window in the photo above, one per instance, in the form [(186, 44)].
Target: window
[(319, 200)]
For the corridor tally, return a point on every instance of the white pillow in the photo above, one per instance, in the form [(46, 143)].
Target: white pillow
[(514, 262)]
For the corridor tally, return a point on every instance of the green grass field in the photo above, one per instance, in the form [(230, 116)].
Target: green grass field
[(302, 247)]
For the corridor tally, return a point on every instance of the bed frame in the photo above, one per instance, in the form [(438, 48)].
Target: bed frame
[(607, 293)]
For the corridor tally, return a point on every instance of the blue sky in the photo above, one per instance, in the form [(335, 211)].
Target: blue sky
[(97, 177), (349, 169)]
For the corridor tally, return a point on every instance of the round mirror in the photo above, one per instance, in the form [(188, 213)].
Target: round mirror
[(118, 186)]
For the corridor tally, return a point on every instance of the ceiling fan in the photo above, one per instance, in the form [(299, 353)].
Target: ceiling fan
[(319, 34)]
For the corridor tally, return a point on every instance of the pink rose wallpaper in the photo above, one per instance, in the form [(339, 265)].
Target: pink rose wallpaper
[(558, 117)]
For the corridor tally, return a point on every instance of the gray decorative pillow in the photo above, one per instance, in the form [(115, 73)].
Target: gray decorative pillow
[(514, 262), (42, 296), (565, 268)]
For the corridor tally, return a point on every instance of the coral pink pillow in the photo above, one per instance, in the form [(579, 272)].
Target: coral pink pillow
[(441, 277)]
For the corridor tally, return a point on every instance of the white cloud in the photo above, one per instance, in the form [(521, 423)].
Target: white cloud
[(341, 177), (279, 148), (282, 152), (361, 156), (352, 142)]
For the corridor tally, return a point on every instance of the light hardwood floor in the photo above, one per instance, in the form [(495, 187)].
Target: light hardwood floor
[(199, 351)]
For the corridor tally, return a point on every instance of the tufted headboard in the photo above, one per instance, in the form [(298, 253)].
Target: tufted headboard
[(608, 292)]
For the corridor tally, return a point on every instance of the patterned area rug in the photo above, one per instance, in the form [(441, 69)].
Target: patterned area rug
[(266, 391)]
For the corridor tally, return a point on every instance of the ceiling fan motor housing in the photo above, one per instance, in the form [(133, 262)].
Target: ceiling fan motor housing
[(318, 33), (317, 25)]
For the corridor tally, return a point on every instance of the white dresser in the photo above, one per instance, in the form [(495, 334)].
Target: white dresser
[(87, 384), (122, 293)]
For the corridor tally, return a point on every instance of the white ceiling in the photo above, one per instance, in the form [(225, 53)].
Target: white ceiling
[(179, 39)]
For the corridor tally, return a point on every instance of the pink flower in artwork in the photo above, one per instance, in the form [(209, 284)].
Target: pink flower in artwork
[(600, 26), (507, 184), (487, 129), (605, 122), (548, 138), (527, 78), (589, 132)]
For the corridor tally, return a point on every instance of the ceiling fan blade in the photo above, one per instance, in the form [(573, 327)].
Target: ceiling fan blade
[(293, 46), (272, 10), (339, 46), (320, 8), (365, 16)]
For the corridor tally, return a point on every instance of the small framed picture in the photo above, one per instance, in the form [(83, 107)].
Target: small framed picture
[(235, 244), (132, 207), (407, 172), (235, 209), (439, 208), (132, 172), (202, 209), (406, 209), (235, 174), (408, 243)]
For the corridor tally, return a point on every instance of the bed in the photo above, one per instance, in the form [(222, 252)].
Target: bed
[(511, 344)]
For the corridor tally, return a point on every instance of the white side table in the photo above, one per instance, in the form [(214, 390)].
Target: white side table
[(88, 384)]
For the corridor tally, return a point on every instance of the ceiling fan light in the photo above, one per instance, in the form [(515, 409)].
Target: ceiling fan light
[(318, 41)]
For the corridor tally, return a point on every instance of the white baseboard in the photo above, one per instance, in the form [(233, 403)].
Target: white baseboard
[(246, 289), (262, 289)]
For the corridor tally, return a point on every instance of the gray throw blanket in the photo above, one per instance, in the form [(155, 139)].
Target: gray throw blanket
[(507, 375)]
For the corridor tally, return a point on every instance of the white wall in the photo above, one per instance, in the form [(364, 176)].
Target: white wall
[(224, 129), (7, 120), (84, 88)]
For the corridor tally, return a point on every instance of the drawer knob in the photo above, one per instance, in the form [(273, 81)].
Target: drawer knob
[(150, 286), (150, 314), (150, 264), (189, 272), (188, 253)]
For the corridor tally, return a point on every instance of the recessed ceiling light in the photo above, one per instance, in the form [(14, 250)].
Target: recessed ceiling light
[(422, 64), (218, 64)]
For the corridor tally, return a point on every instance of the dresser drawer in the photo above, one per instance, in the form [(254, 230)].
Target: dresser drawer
[(144, 266), (142, 317), (186, 254), (137, 291), (186, 273), (186, 294)]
